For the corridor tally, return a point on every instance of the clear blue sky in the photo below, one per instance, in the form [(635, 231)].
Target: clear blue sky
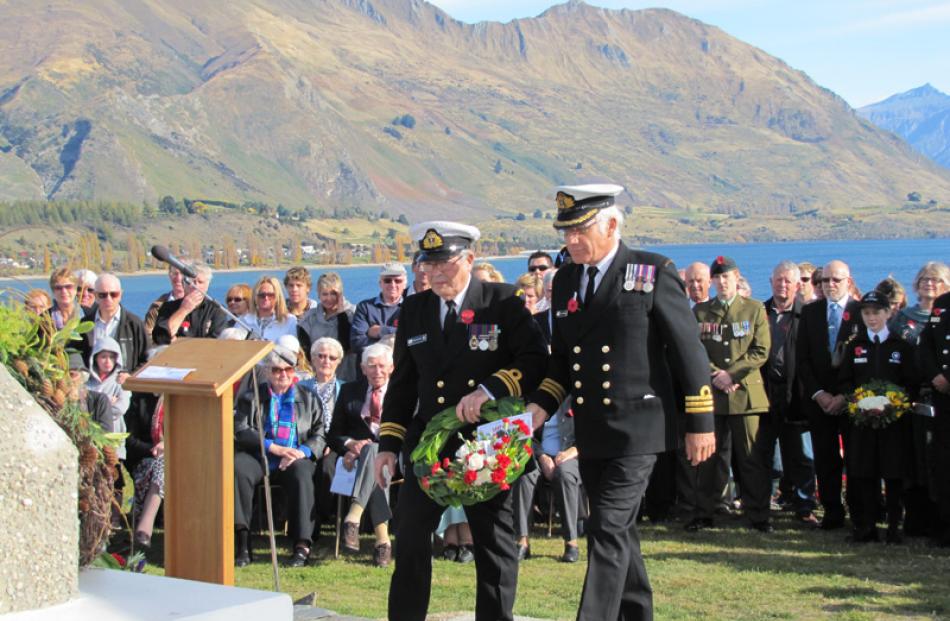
[(864, 50)]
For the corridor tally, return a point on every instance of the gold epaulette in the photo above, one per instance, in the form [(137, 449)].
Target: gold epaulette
[(554, 389), (392, 429), (511, 378), (701, 403)]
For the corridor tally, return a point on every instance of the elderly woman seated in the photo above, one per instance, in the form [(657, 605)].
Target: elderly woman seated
[(354, 434), (294, 439)]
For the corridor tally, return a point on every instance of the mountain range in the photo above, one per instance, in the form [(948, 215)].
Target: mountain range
[(394, 105), (921, 116)]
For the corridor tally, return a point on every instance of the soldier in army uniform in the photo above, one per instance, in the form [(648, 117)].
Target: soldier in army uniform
[(622, 330), (461, 342), (735, 333)]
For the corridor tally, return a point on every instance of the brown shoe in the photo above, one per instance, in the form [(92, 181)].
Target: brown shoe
[(382, 554), (351, 536)]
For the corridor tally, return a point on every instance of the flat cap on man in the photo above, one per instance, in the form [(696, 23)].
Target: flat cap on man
[(440, 240), (721, 265), (578, 204), (392, 269)]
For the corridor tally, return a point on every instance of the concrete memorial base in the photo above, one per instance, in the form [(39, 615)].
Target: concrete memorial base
[(110, 595)]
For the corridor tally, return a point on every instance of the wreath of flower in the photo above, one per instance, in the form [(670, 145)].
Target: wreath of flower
[(877, 404), (482, 467)]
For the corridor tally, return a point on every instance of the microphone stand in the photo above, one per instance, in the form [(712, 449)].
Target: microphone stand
[(259, 423)]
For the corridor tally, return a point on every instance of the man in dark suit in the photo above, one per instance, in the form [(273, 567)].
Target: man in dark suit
[(111, 318), (826, 327), (462, 342), (622, 329), (784, 421)]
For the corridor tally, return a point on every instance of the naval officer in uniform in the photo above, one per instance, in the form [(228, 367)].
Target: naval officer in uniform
[(461, 342), (622, 330)]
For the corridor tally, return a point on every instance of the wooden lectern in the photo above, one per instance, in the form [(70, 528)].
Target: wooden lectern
[(199, 452)]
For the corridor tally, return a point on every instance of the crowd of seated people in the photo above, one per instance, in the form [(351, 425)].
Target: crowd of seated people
[(321, 393)]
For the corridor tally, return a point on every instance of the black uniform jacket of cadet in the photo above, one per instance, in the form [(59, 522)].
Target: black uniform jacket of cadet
[(437, 373), (935, 345), (617, 356)]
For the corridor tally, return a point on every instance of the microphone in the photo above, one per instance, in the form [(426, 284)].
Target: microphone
[(162, 254)]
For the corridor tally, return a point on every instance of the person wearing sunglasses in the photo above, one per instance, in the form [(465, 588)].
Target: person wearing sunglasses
[(825, 329), (539, 262), (377, 317), (808, 285), (268, 315), (191, 315), (294, 438), (64, 284), (111, 318), (238, 299)]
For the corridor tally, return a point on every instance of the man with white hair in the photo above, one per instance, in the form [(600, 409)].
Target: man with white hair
[(191, 315), (619, 316), (110, 318), (462, 342), (354, 435)]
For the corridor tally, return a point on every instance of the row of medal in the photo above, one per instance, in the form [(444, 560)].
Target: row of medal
[(715, 331), (483, 336), (639, 277)]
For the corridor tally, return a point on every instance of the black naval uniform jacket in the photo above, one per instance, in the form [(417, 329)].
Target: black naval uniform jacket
[(934, 349), (617, 355), (438, 373)]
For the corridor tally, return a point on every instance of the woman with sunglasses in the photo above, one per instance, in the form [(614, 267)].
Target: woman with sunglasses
[(63, 284), (294, 438), (268, 314), (238, 299)]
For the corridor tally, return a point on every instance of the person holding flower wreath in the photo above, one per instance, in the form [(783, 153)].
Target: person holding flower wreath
[(463, 342), (879, 372)]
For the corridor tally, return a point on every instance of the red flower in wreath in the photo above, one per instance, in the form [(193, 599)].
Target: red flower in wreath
[(528, 450), (435, 468), (425, 482), (118, 559), (522, 427), (499, 475), (503, 486), (445, 463), (846, 316), (503, 461), (572, 305), (470, 476), (468, 316)]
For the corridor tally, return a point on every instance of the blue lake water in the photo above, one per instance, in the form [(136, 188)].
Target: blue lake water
[(870, 261)]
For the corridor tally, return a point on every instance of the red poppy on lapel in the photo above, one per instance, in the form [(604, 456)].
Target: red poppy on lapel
[(468, 316), (846, 316), (572, 305)]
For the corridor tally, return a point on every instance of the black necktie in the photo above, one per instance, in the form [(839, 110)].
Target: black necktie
[(591, 284), (450, 319), (877, 339)]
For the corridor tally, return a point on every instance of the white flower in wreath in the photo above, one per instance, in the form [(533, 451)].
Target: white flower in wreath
[(484, 476), (463, 452), (476, 461), (874, 403)]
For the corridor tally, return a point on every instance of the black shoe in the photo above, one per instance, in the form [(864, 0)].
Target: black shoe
[(524, 552), (142, 540), (450, 552), (698, 524), (243, 558), (571, 554), (300, 557), (764, 526), (465, 555)]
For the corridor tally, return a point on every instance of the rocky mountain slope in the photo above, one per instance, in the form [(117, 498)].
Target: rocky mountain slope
[(921, 116), (392, 104)]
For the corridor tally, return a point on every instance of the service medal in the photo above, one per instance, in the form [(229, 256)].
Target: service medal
[(483, 345), (473, 343), (647, 287)]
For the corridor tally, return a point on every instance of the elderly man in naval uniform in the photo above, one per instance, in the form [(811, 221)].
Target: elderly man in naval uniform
[(622, 330)]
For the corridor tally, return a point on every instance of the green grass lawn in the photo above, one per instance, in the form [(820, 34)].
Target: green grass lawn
[(729, 572)]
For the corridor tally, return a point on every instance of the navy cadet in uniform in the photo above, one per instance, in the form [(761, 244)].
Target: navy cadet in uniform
[(735, 332), (622, 330), (461, 342)]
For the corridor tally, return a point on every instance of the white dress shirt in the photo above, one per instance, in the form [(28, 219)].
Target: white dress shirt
[(602, 266)]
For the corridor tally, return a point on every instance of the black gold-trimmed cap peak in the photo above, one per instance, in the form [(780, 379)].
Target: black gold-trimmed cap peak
[(578, 204)]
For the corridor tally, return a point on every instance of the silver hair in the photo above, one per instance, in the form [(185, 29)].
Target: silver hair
[(937, 268), (788, 266), (330, 343), (377, 350), (606, 215), (203, 269)]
